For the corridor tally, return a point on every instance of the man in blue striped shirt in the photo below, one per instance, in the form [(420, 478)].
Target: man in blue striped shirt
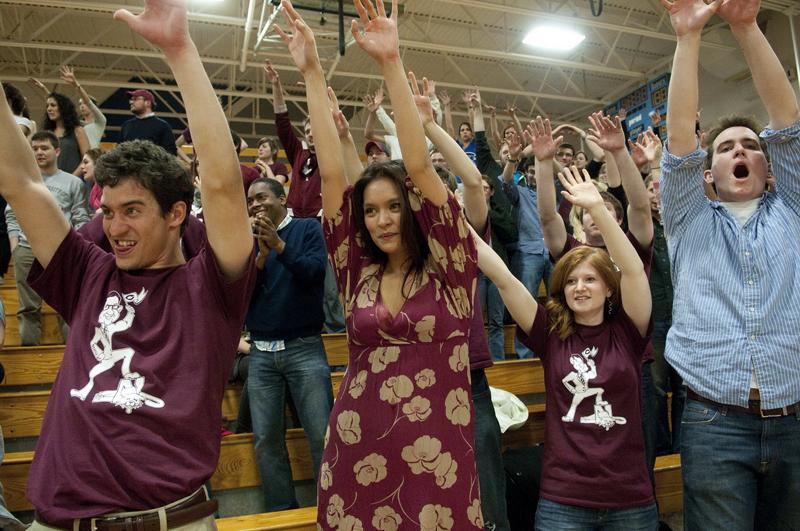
[(734, 337)]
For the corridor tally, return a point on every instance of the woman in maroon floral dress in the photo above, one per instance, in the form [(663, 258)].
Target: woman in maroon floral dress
[(399, 452)]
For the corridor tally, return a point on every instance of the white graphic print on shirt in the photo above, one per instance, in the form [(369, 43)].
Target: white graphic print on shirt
[(577, 383), (128, 395)]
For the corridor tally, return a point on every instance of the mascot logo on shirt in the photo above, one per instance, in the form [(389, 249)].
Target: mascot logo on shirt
[(117, 315), (577, 383)]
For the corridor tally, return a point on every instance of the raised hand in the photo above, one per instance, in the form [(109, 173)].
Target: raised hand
[(690, 16), (431, 92), (301, 43), (444, 97), (650, 145), (378, 37), (378, 97), (421, 99), (370, 103), (638, 151), (579, 189), (475, 98), (272, 74), (739, 12), (539, 135), (339, 120), (68, 75), (511, 110), (606, 133), (38, 84), (162, 23), (655, 119), (514, 146), (492, 110)]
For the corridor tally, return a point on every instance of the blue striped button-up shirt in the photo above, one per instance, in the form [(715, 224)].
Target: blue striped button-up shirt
[(736, 307)]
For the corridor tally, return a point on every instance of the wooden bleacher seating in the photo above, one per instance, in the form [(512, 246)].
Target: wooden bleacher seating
[(21, 413)]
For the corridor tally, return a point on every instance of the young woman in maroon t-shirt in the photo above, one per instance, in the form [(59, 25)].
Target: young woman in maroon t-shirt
[(591, 337)]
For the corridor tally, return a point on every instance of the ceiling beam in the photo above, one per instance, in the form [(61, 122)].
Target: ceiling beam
[(257, 65)]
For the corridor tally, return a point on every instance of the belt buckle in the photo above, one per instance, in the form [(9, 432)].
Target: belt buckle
[(783, 412)]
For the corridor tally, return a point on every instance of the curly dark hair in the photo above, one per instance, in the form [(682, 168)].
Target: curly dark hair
[(16, 100), (153, 168), (411, 234), (69, 115)]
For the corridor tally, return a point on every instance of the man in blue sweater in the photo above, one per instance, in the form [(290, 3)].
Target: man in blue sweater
[(285, 321)]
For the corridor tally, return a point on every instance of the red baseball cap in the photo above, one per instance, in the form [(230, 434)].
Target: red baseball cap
[(146, 94), (380, 145)]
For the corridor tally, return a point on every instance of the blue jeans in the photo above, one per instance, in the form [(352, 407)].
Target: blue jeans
[(666, 379), (740, 472), (303, 368), (488, 457), (552, 516), (530, 269), (493, 304)]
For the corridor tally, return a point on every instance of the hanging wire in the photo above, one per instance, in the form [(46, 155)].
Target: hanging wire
[(596, 10)]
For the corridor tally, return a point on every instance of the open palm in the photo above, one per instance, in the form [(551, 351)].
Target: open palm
[(541, 139), (579, 188), (739, 12), (301, 43), (379, 37), (689, 16), (162, 23)]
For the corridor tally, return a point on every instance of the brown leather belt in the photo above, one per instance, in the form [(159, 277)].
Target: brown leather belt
[(753, 406), (191, 510)]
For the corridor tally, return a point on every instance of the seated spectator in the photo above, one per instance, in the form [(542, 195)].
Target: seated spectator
[(266, 162)]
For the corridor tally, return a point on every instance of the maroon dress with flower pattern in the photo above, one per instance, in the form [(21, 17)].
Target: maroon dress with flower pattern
[(399, 449)]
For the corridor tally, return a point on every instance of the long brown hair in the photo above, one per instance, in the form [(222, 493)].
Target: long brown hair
[(562, 320), (411, 234)]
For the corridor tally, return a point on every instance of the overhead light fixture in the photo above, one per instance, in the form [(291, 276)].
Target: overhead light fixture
[(553, 38)]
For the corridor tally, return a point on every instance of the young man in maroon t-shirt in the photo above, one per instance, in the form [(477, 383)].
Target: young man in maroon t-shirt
[(132, 425)]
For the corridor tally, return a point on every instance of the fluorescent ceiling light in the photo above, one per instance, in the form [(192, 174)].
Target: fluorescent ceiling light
[(553, 38)]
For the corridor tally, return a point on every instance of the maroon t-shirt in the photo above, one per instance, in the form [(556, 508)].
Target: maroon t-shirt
[(594, 448), (159, 345), (249, 175)]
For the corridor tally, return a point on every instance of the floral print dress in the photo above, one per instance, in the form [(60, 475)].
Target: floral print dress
[(399, 449)]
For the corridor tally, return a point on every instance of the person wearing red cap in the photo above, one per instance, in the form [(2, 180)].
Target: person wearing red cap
[(146, 125), (376, 152)]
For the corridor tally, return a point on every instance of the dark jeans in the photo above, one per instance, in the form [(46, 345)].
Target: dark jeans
[(303, 368), (530, 269), (740, 472), (552, 516), (488, 457), (492, 303)]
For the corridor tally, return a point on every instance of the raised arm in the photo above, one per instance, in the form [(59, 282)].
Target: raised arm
[(303, 49), (475, 207), (21, 184), (444, 97), (38, 85), (540, 136), (83, 147), (512, 113), (634, 286), (688, 18), (380, 40), (164, 24), (519, 301), (372, 106), (352, 163), (68, 75), (274, 79), (768, 75), (608, 135)]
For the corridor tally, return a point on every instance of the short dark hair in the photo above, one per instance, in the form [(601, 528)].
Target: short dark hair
[(613, 201), (69, 115), (726, 122), (413, 239), (491, 182), (49, 136), (153, 168), (237, 141), (566, 145), (465, 123), (16, 100), (274, 186), (447, 178), (273, 144)]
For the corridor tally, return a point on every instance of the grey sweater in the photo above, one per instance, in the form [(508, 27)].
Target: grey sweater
[(70, 194)]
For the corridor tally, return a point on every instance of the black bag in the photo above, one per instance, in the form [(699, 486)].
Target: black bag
[(523, 468)]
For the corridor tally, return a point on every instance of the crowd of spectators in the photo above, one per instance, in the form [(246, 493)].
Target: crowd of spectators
[(546, 191)]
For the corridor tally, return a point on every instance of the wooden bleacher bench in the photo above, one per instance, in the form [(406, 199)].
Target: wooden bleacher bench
[(21, 414)]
